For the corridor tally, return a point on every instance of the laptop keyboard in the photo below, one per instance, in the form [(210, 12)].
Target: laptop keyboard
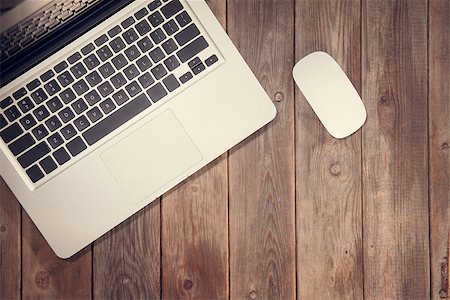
[(100, 87)]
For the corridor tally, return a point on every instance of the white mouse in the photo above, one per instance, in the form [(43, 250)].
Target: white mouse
[(330, 93)]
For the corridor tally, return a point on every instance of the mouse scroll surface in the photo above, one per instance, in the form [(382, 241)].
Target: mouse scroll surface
[(330, 93)]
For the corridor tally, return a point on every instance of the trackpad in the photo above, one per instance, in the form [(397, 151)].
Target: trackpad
[(151, 156)]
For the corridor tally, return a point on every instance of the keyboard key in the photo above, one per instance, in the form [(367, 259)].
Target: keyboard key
[(192, 49), (35, 173), (94, 114), (78, 70), (40, 132), (211, 60), (48, 165), (91, 61), (154, 5), (55, 140), (60, 67), (93, 78), (41, 113), (26, 104), (171, 8), (101, 40), (53, 123), (159, 72), (80, 87), (88, 49), (66, 115), (52, 87), (6, 102), (104, 53), (171, 83), (107, 106), (146, 80), (114, 31), (21, 144), (33, 84), (34, 154), (74, 58), (92, 97), (145, 44), (144, 63), (171, 27), (116, 119), (105, 89), (130, 36), (183, 19), (68, 132), (3, 122), (20, 93), (12, 113), (158, 36), (157, 55), (79, 106), (47, 75), (81, 123), (156, 19), (133, 89), (169, 46), (143, 27), (11, 132), (38, 96), (61, 156), (65, 79), (156, 92), (131, 72), (198, 69), (119, 61), (187, 34), (54, 104), (120, 97), (132, 53), (194, 62), (118, 80), (141, 13), (28, 121), (127, 22), (171, 63), (106, 70), (76, 146), (67, 96), (117, 44)]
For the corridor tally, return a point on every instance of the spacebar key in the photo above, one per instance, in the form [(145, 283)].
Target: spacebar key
[(116, 119)]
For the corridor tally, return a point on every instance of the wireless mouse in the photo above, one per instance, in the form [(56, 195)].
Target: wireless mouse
[(330, 93)]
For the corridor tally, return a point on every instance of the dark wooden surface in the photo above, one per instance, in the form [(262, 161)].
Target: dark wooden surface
[(290, 212)]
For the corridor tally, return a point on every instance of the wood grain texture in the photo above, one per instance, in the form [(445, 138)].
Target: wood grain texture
[(261, 169), (127, 259), (439, 135), (10, 244), (46, 276), (395, 141), (329, 224)]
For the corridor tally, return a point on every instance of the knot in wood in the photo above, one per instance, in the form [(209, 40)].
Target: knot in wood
[(384, 100), (279, 96), (445, 146), (188, 284), (252, 295), (42, 280), (194, 188), (3, 228), (335, 169)]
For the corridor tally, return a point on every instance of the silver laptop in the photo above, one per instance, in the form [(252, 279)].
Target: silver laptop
[(97, 128)]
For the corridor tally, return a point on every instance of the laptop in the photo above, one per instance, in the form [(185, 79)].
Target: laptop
[(106, 105)]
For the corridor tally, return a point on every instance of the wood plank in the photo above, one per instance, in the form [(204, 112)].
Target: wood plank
[(10, 244), (46, 276), (195, 228), (329, 224), (395, 156), (127, 259), (439, 141), (261, 169)]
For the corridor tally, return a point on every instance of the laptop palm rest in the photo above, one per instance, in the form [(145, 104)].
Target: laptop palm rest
[(150, 157)]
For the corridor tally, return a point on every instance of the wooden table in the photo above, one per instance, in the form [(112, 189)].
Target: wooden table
[(290, 212)]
